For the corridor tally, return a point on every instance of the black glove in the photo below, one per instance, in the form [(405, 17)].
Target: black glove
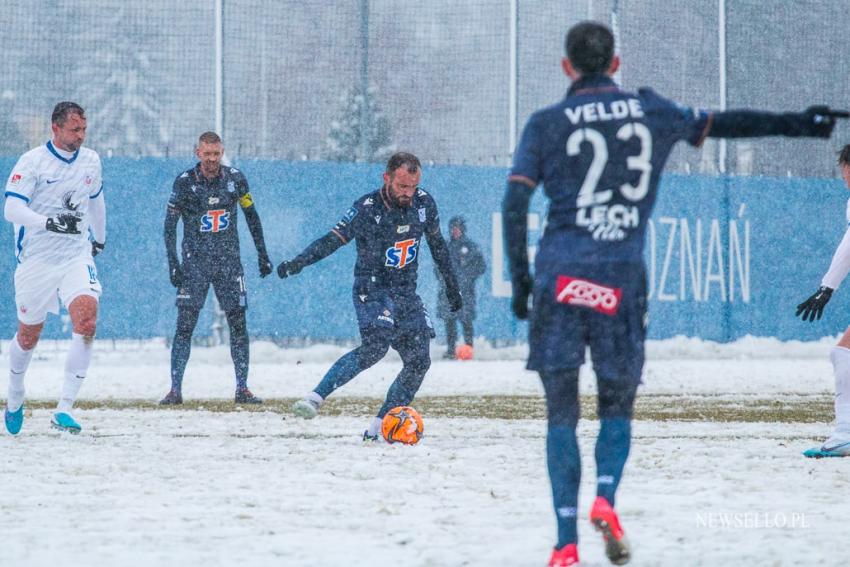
[(455, 300), (286, 269), (96, 247), (176, 275), (522, 291), (819, 121), (812, 308), (63, 223), (266, 266)]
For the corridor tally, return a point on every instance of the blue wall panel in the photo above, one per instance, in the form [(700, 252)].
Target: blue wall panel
[(727, 256)]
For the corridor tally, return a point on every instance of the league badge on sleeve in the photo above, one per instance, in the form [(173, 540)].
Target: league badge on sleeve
[(422, 215), (349, 215)]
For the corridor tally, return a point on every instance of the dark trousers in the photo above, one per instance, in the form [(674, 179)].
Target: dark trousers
[(451, 332)]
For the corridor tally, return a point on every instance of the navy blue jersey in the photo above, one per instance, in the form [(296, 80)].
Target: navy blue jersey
[(599, 154), (208, 209), (389, 239)]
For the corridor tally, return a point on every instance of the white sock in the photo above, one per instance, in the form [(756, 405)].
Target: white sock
[(19, 361), (840, 358), (315, 398), (76, 367), (374, 426)]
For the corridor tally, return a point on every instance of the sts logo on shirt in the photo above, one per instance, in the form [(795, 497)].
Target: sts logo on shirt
[(402, 253), (215, 221)]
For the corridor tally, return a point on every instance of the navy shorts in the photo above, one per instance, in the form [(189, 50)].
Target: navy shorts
[(228, 284), (601, 307), (380, 312)]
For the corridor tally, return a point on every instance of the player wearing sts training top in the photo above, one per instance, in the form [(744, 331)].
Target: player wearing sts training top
[(599, 154), (388, 226), (838, 444), (54, 197), (206, 197)]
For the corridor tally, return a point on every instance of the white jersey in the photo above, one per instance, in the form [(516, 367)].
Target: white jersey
[(51, 184)]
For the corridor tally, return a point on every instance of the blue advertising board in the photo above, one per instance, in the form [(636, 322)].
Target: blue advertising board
[(726, 256)]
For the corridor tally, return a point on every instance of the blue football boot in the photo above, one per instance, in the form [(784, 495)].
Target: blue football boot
[(64, 422), (835, 446), (14, 420)]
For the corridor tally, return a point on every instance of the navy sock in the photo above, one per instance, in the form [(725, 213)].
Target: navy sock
[(414, 352), (239, 346), (181, 347), (564, 462), (562, 453), (180, 350), (612, 450), (616, 406), (351, 364)]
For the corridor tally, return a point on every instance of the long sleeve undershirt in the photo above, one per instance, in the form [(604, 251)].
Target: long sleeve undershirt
[(16, 211), (97, 218), (840, 265)]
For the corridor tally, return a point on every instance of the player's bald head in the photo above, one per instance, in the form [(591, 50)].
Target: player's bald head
[(590, 48)]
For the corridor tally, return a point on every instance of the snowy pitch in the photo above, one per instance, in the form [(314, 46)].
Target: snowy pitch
[(715, 476)]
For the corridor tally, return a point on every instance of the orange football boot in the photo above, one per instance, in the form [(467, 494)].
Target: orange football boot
[(605, 520), (564, 557)]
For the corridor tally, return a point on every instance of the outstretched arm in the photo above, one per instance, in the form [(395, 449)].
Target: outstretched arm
[(815, 121), (317, 250), (515, 226)]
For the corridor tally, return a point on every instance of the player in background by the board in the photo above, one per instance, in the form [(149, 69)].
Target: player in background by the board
[(207, 197), (388, 226), (54, 197), (599, 154), (838, 444)]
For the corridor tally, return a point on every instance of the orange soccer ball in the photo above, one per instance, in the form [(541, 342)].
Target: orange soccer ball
[(463, 352), (402, 424)]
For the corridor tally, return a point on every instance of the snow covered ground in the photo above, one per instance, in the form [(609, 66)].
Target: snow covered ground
[(142, 487)]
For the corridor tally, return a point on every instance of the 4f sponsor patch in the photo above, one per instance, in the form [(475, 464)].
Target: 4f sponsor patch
[(16, 178), (585, 293), (215, 220), (402, 253)]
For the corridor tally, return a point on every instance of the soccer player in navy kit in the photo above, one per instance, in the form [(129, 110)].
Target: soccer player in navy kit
[(206, 198), (599, 154), (388, 226)]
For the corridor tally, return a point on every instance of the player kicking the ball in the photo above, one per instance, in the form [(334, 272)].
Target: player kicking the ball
[(54, 196), (388, 226), (599, 154)]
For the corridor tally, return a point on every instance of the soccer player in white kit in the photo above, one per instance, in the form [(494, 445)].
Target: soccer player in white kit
[(54, 196), (838, 444)]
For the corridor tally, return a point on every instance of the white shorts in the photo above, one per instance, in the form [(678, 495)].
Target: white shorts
[(39, 287)]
